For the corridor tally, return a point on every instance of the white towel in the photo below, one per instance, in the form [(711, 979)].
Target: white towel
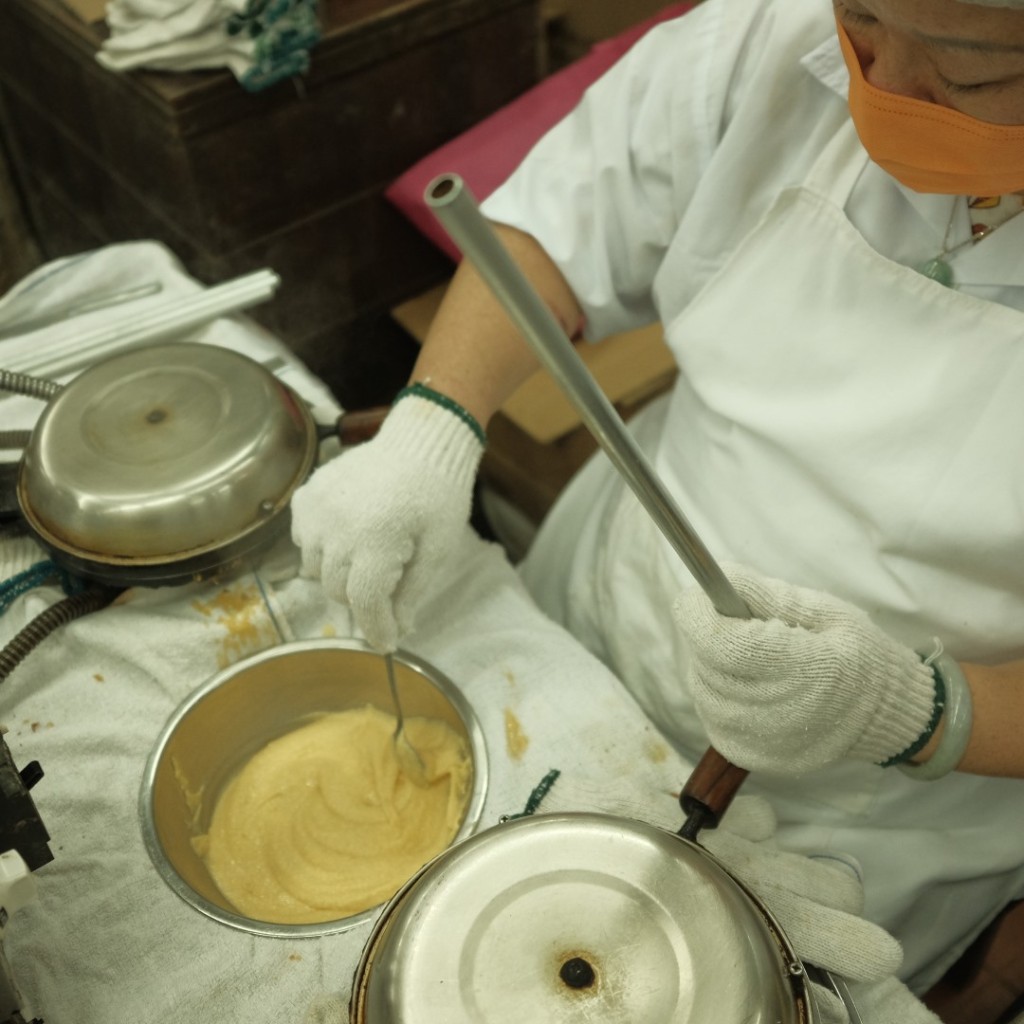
[(151, 271), (107, 941)]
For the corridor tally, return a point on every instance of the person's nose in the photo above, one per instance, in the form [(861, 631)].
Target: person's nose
[(892, 64)]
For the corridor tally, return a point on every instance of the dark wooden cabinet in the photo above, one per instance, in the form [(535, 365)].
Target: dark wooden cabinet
[(290, 178)]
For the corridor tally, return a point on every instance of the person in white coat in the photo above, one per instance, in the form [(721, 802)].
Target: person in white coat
[(821, 206)]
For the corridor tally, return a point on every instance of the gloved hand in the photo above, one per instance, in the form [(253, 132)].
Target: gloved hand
[(880, 1002), (376, 522), (808, 681), (817, 901)]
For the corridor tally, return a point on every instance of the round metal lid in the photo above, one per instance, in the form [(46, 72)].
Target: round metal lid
[(573, 918), (164, 451)]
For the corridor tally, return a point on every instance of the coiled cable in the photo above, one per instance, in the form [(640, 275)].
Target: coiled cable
[(74, 606), (26, 384), (14, 438)]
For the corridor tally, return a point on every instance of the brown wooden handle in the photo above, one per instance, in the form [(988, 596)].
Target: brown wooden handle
[(361, 425), (708, 792)]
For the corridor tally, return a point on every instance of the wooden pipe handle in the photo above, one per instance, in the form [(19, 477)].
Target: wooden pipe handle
[(360, 425), (709, 791)]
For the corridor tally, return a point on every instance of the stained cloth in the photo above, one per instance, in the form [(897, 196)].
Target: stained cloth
[(107, 940)]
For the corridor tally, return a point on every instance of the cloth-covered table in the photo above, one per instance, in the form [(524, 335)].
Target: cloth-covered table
[(106, 940)]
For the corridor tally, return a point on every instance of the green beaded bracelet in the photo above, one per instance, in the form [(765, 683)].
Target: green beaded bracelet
[(419, 390)]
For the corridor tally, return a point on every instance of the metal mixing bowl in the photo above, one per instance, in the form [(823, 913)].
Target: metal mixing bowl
[(239, 711)]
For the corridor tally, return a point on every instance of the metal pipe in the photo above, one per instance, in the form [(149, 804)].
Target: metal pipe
[(452, 204)]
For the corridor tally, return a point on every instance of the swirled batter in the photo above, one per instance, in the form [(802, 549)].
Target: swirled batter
[(322, 823)]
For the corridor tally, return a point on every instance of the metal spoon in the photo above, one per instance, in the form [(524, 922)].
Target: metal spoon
[(409, 759)]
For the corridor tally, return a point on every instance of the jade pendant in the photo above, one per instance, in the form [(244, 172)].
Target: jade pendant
[(938, 270)]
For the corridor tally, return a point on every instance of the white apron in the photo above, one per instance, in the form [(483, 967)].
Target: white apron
[(850, 425)]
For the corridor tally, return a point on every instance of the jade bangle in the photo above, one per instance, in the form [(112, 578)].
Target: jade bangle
[(956, 730)]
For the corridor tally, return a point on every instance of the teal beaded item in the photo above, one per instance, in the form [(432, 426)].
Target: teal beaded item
[(419, 390), (937, 269)]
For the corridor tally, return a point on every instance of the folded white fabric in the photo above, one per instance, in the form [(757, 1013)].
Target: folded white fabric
[(65, 298), (259, 41)]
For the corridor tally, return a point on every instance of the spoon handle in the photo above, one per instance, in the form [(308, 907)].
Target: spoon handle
[(389, 664)]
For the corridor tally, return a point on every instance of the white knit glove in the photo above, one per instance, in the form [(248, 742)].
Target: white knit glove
[(376, 522), (818, 902), (879, 1002), (808, 681)]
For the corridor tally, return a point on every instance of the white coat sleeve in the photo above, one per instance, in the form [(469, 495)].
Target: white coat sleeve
[(604, 190)]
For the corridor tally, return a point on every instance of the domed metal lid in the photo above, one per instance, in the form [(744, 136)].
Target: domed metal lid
[(577, 917), (164, 451)]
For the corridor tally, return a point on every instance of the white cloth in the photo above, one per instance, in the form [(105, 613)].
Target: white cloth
[(174, 35), (832, 425), (258, 44), (117, 281)]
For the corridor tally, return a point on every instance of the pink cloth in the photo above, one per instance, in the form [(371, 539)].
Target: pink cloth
[(486, 154)]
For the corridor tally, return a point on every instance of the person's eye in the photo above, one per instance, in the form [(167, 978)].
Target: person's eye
[(968, 87), (854, 17), (958, 87)]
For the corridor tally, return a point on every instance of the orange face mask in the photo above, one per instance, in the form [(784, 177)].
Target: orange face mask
[(931, 148)]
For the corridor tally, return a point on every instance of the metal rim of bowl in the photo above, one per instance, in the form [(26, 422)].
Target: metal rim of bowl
[(181, 888), (794, 974)]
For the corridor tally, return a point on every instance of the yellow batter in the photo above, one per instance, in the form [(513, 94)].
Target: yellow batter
[(323, 823)]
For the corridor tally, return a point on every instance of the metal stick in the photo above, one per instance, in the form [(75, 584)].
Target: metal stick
[(455, 208)]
